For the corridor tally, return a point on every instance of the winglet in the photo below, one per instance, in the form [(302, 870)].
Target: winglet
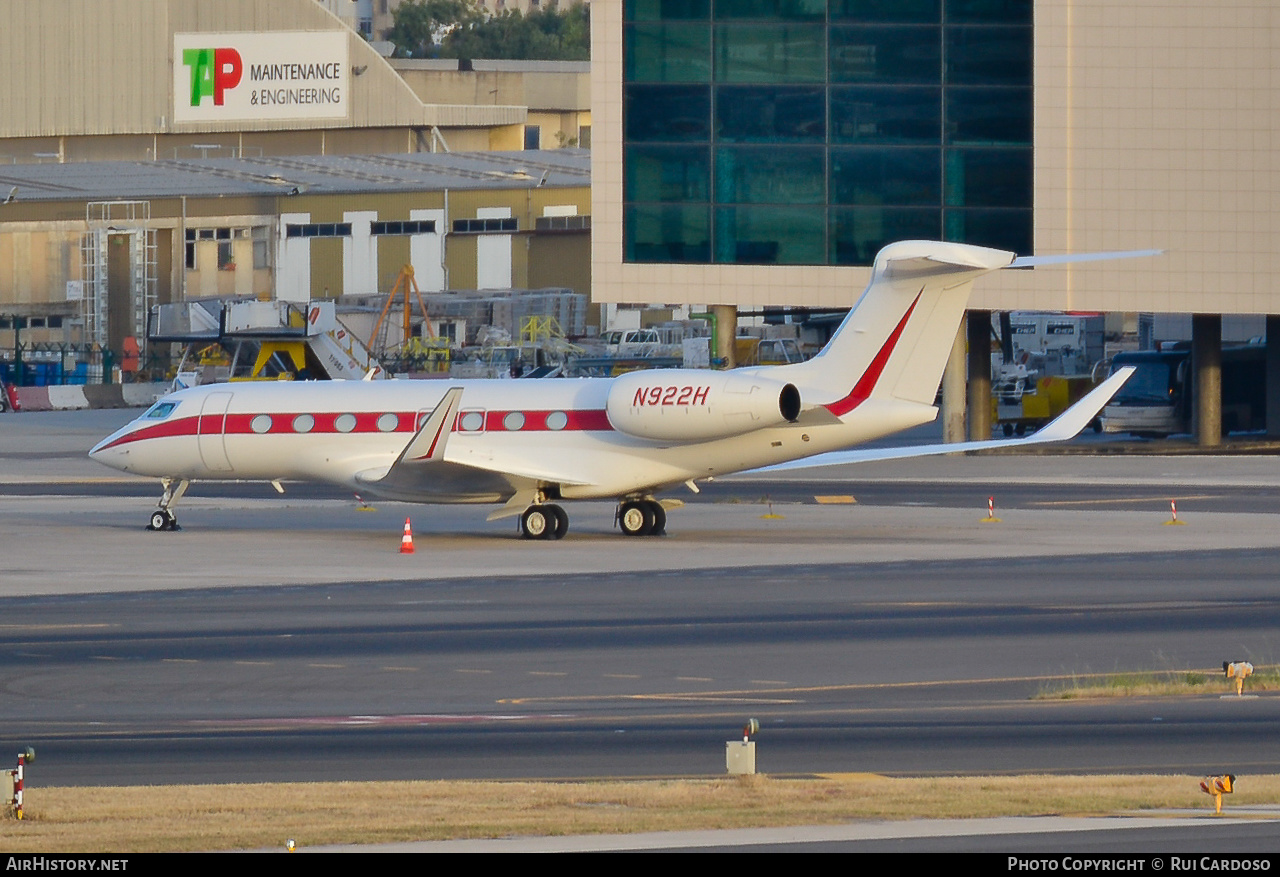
[(429, 442)]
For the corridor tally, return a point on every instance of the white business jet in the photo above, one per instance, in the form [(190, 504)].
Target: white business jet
[(531, 444)]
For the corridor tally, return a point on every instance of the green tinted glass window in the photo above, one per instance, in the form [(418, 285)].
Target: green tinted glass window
[(668, 52), (887, 11), (666, 233), (899, 177), (773, 54), (770, 235), (667, 10), (989, 178), (771, 175), (885, 114), (977, 116), (670, 113), (888, 55), (668, 173), (988, 56), (783, 10), (858, 233), (989, 11), (771, 114)]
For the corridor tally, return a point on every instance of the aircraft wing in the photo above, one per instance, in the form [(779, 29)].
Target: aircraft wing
[(1066, 425), (421, 469)]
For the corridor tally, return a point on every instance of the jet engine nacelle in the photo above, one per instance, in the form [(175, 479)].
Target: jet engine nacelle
[(689, 405)]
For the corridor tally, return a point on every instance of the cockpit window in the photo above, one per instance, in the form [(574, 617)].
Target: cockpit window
[(159, 411)]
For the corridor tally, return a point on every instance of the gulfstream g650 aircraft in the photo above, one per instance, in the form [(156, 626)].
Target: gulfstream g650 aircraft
[(534, 444)]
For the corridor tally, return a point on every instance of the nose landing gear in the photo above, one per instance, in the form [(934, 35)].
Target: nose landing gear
[(163, 517)]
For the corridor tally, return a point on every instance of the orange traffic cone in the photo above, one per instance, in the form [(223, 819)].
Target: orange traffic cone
[(406, 543)]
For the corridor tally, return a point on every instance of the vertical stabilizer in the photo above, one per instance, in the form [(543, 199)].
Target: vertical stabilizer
[(896, 340)]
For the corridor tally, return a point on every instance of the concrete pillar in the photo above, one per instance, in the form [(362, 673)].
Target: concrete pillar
[(1206, 360), (726, 331), (1273, 375), (979, 332), (953, 391)]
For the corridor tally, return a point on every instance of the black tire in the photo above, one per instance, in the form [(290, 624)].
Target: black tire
[(659, 518), (561, 521)]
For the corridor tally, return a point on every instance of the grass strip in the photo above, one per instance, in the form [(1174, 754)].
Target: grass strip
[(262, 816)]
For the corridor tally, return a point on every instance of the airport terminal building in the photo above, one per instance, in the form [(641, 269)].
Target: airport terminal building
[(731, 135), (755, 153)]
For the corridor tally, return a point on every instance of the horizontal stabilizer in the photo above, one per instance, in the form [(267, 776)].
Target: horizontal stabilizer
[(1066, 425), (1033, 261)]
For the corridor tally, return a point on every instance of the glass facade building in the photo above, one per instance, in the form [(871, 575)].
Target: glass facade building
[(813, 132)]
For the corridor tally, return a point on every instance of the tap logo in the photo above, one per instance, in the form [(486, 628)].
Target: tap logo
[(213, 72), (268, 77)]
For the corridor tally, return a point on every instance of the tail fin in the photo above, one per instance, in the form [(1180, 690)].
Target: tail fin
[(896, 340)]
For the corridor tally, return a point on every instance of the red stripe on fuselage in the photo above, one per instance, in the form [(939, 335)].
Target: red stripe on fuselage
[(366, 423), (867, 383)]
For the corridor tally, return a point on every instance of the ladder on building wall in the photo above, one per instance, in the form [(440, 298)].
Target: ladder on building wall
[(130, 221)]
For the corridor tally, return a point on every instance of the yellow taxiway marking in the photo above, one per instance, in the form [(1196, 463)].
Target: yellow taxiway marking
[(694, 679), (328, 666), (796, 691), (55, 626), (466, 670), (546, 673), (400, 669), (841, 499), (621, 675), (254, 663), (1120, 500)]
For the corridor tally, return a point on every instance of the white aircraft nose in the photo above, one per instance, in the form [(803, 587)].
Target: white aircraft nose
[(104, 453)]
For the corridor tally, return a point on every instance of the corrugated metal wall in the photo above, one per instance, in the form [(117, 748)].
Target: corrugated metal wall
[(88, 67)]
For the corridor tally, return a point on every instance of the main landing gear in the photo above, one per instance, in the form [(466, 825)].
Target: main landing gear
[(163, 518), (544, 521), (642, 517)]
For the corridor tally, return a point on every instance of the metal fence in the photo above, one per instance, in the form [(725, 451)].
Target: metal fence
[(49, 364)]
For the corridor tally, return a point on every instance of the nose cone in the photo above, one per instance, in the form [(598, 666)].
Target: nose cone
[(110, 452)]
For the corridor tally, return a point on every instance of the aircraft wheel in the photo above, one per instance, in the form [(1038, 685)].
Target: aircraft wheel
[(561, 521), (163, 520), (636, 518), (659, 518), (1007, 429), (537, 522)]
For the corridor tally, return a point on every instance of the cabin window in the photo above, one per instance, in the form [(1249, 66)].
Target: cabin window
[(557, 420), (471, 421), (388, 422), (304, 423), (513, 421), (344, 422), (261, 424)]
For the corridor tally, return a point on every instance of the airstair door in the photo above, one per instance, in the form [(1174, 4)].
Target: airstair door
[(212, 432)]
